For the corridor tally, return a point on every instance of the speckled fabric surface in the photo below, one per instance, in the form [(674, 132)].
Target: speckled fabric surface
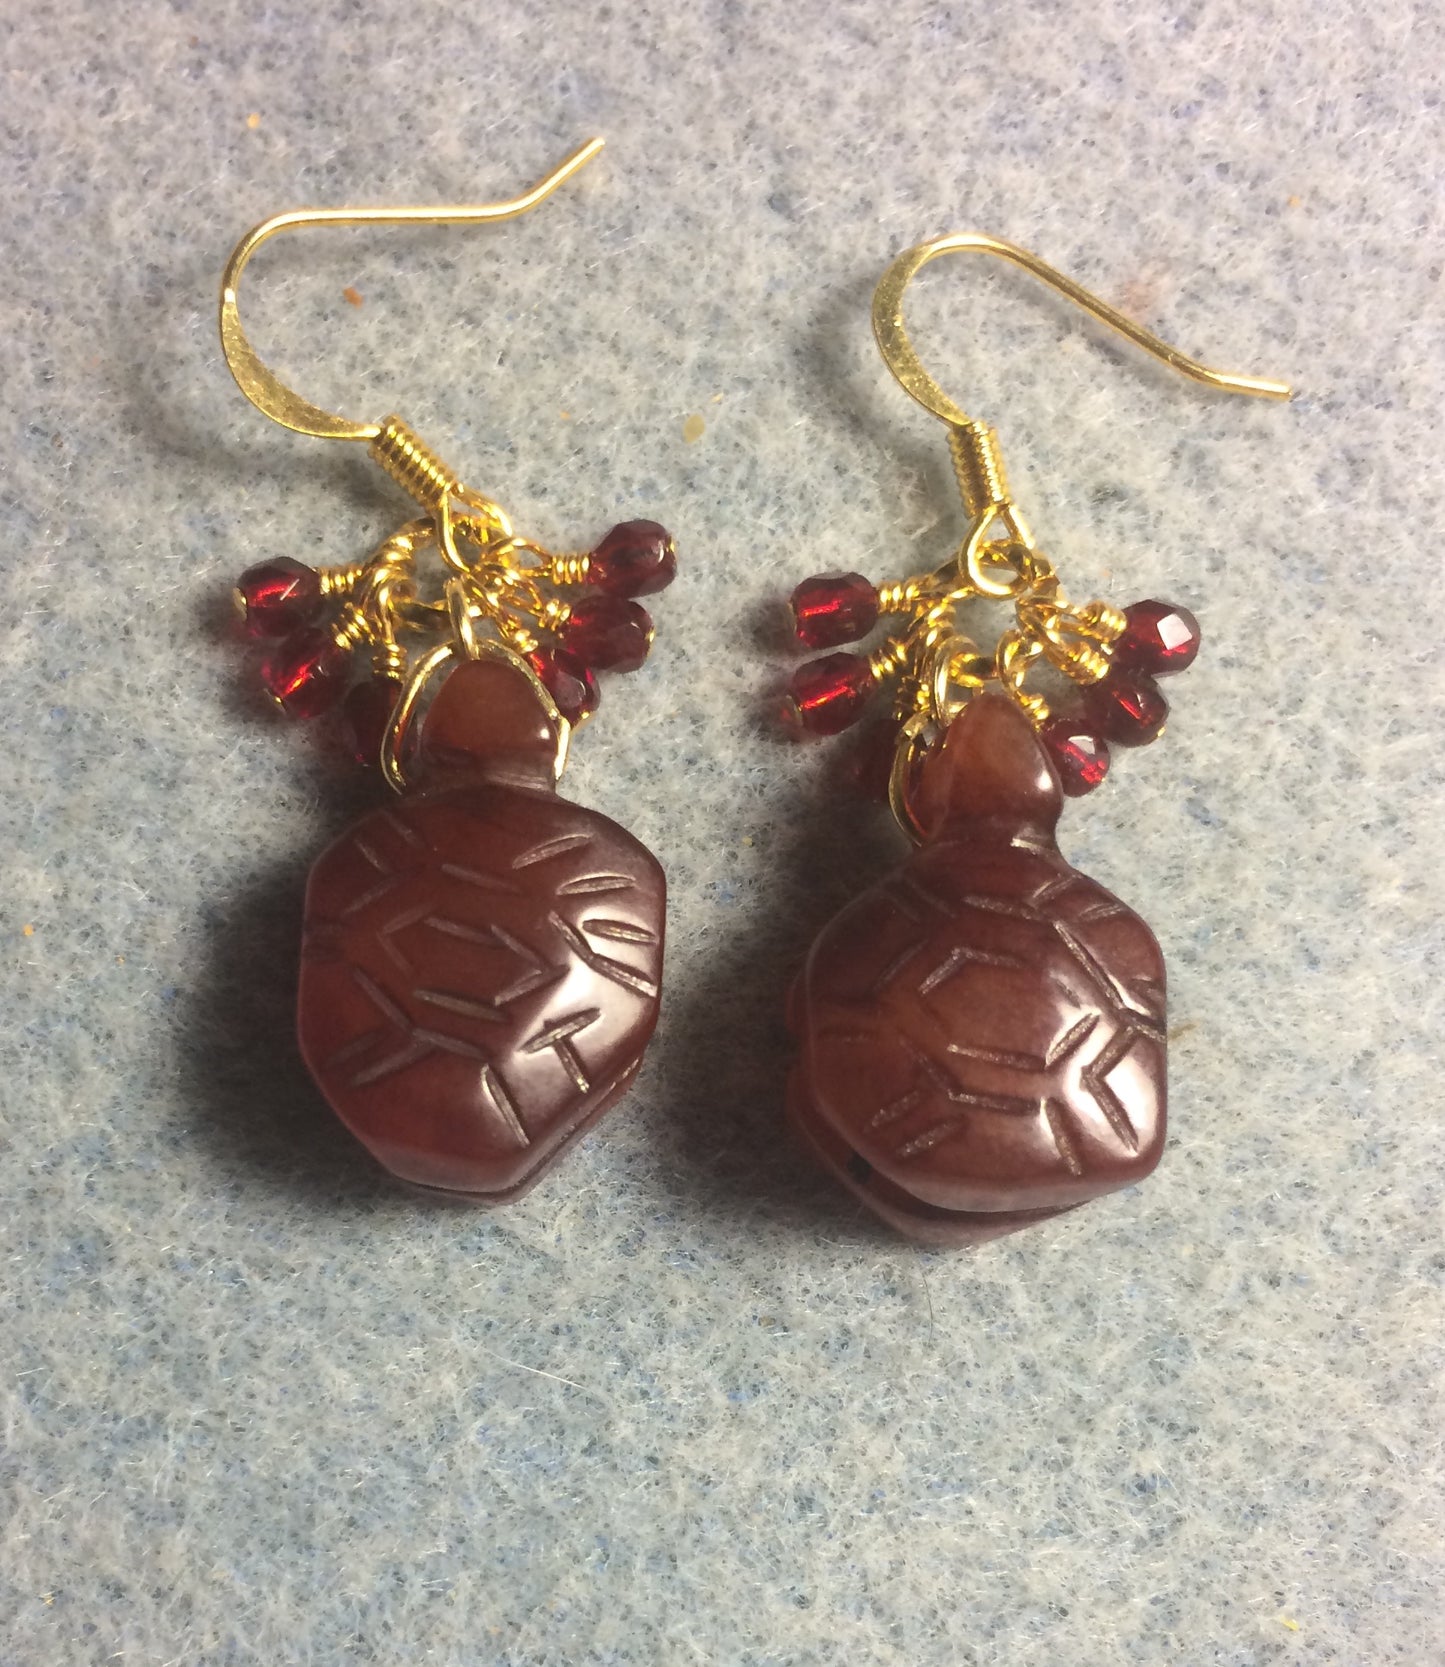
[(684, 1404)]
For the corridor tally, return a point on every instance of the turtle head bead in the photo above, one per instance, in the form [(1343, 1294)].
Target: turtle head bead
[(989, 775), (488, 723)]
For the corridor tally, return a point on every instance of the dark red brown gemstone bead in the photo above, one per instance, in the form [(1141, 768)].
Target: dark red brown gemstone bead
[(1126, 708), (825, 696), (981, 1038), (611, 633), (635, 559), (569, 682), (1159, 639), (277, 597), (481, 961), (306, 672), (833, 608), (1080, 756), (366, 713)]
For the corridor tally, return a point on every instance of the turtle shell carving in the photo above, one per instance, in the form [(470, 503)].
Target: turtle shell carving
[(481, 960), (982, 1036)]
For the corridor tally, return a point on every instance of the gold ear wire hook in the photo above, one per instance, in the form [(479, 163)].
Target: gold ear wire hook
[(262, 386), (997, 557), (900, 357)]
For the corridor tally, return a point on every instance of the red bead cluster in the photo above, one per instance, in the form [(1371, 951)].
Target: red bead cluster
[(309, 667), (1125, 708), (608, 631), (827, 695)]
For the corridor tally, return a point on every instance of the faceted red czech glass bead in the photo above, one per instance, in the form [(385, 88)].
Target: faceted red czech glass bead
[(306, 672), (366, 712), (611, 633), (276, 597), (833, 608), (1080, 756), (1126, 708), (635, 559), (1159, 639), (569, 682), (825, 696)]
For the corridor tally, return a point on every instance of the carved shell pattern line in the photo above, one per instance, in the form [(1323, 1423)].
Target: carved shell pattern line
[(970, 1019), (480, 976)]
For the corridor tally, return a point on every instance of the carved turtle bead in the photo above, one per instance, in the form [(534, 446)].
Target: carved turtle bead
[(982, 1035), (481, 959)]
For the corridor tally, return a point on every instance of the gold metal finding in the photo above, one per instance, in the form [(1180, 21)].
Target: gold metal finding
[(261, 385), (998, 557), (481, 648), (495, 582)]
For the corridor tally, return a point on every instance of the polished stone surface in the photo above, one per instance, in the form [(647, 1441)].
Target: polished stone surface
[(481, 962), (983, 1032)]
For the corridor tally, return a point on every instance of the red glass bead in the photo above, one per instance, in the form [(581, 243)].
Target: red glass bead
[(1126, 708), (833, 608), (1080, 756), (611, 633), (306, 672), (366, 713), (277, 597), (634, 559), (1159, 639), (569, 682), (825, 696)]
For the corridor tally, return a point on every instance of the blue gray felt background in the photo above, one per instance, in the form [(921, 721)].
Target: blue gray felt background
[(685, 1404)]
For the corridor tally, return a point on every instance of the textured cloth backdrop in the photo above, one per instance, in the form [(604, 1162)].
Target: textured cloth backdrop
[(685, 1404)]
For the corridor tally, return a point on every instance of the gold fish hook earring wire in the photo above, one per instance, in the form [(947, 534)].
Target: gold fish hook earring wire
[(381, 593), (259, 383), (1010, 567), (981, 1038), (481, 959), (392, 443)]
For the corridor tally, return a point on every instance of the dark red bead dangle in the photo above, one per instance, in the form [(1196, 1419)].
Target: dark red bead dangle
[(481, 959), (981, 1036), (320, 617)]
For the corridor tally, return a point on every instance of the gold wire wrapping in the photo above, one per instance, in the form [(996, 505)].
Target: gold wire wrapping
[(336, 581), (900, 596), (938, 669), (482, 648), (412, 464), (570, 570), (998, 558), (977, 466), (500, 594)]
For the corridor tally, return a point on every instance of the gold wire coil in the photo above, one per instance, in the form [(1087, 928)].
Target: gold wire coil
[(389, 659), (1015, 652), (1076, 659), (893, 656), (900, 596), (570, 570), (351, 626), (412, 464), (1069, 642), (977, 466), (336, 581), (1102, 620)]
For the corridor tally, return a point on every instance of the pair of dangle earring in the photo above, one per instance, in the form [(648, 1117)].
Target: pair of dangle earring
[(981, 1038), (481, 959)]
